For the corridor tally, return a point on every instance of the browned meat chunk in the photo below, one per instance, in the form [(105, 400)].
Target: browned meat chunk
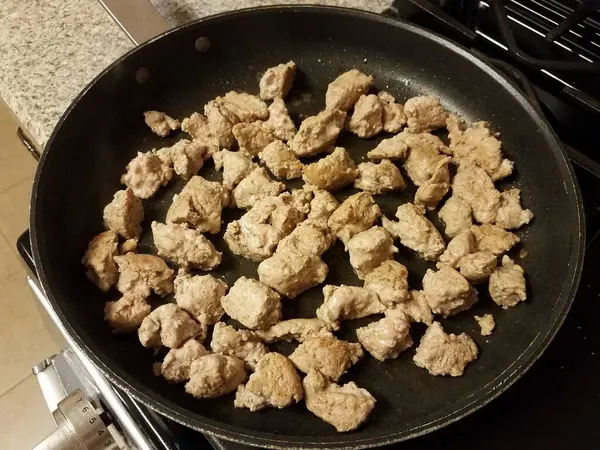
[(394, 148), (416, 232), (455, 126), (277, 81), (215, 375), (477, 267), (447, 291), (357, 213), (322, 205), (424, 113), (145, 174), (368, 249), (185, 157), (255, 187), (367, 119), (141, 274), (98, 260), (199, 128), (345, 407), (393, 113), (184, 246), (432, 191), (246, 107), (168, 325), (318, 133), (252, 137), (445, 354), (280, 124), (347, 302), (243, 344), (456, 215), (160, 123), (475, 187), (379, 178), (486, 323), (332, 172), (386, 338), (293, 329), (507, 284), (124, 214), (252, 303), (274, 383), (127, 313), (345, 90), (175, 368), (200, 295), (460, 246), (311, 237), (281, 161), (416, 309), (199, 204), (511, 214), (235, 165), (389, 281), (493, 239), (130, 245), (424, 156), (327, 354)]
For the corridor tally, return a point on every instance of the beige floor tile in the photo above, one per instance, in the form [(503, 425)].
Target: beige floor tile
[(14, 210), (25, 417), (24, 338), (9, 262)]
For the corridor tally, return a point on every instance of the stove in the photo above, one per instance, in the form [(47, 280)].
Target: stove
[(550, 50)]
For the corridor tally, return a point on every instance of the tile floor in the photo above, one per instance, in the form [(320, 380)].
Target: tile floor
[(25, 336)]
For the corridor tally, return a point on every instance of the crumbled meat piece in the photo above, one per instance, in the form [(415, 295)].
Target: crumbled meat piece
[(186, 157), (301, 199), (317, 133), (199, 204), (476, 188), (455, 126), (168, 325), (445, 354), (478, 146), (393, 148), (130, 245), (98, 260), (456, 215), (141, 274), (461, 245), (493, 239), (416, 309), (511, 214), (368, 249), (393, 113), (291, 273), (255, 187), (235, 165), (424, 156), (432, 191), (246, 107), (252, 137), (293, 329), (127, 313), (478, 266), (184, 246), (175, 368), (277, 81), (386, 338), (379, 178), (389, 281), (252, 303), (327, 354), (198, 127), (345, 407), (274, 383), (243, 344), (280, 124), (124, 214), (160, 123), (416, 232), (347, 302), (281, 161), (424, 113), (343, 92), (486, 323), (507, 284), (145, 174), (311, 237), (357, 213), (217, 125), (367, 119), (322, 205), (200, 295), (256, 234), (447, 291), (332, 172), (214, 375)]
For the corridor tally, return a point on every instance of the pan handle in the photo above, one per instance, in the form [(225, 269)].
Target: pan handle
[(139, 19)]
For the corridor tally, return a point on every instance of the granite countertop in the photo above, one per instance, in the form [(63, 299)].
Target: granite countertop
[(51, 49)]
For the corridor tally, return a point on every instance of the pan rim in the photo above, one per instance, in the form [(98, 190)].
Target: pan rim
[(480, 398)]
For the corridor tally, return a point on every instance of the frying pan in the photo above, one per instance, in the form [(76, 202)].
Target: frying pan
[(103, 129)]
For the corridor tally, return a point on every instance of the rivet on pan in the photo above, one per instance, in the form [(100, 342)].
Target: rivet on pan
[(142, 75), (202, 44)]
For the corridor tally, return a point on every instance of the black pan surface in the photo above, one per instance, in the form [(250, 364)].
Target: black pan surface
[(103, 130)]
